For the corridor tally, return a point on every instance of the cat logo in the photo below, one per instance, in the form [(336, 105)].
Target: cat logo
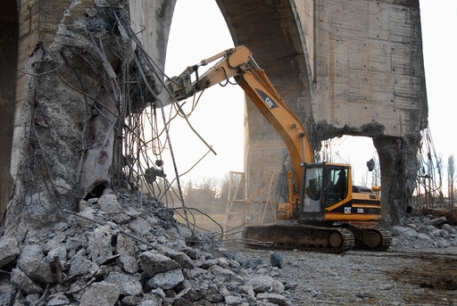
[(347, 210), (268, 101)]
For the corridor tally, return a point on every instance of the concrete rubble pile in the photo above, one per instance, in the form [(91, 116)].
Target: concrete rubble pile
[(421, 232), (120, 251)]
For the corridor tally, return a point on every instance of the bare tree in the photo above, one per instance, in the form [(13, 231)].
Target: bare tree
[(450, 179), (204, 195)]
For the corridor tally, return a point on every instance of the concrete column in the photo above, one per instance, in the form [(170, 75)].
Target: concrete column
[(9, 31), (69, 52)]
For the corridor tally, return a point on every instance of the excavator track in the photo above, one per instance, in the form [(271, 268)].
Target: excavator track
[(297, 236), (371, 238)]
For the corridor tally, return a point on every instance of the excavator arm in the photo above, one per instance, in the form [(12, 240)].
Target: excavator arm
[(239, 64)]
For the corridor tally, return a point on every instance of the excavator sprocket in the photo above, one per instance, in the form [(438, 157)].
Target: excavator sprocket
[(298, 236), (376, 239)]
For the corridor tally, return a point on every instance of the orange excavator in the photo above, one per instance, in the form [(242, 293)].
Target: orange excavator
[(324, 210)]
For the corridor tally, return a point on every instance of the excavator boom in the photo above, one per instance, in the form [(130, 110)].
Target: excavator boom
[(239, 64)]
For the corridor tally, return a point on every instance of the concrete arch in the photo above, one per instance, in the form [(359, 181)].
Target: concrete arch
[(314, 51)]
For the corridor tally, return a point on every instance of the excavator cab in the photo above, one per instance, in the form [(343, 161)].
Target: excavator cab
[(325, 186), (328, 195)]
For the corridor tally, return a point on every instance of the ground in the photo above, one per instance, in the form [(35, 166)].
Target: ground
[(392, 277)]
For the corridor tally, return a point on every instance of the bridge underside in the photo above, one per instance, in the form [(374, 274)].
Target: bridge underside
[(344, 67)]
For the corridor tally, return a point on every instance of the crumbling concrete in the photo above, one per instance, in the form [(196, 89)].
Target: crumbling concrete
[(77, 87), (91, 269), (399, 164)]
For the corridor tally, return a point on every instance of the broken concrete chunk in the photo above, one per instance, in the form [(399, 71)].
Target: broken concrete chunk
[(9, 250), (151, 220), (208, 263), (247, 290), (92, 201), (133, 213), (32, 264), (73, 243), (109, 203), (60, 237), (261, 283), (82, 265), (442, 243), (58, 299), (60, 252), (197, 273), (277, 287), (61, 186), (31, 299), (167, 280), (224, 291), (6, 294), (274, 298), (192, 253), (233, 300), (121, 218), (183, 230), (447, 228), (61, 226), (423, 236), (158, 292), (131, 300), (125, 245), (276, 260), (102, 293), (88, 212), (51, 244), (153, 263), (127, 284), (140, 226), (82, 204), (213, 295), (224, 275), (129, 264), (23, 282), (223, 262), (180, 257), (436, 222), (100, 244), (151, 302)]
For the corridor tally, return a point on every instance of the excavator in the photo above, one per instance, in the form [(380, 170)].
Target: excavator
[(324, 211)]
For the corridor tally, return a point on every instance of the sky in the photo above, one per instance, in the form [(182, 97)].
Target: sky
[(198, 31)]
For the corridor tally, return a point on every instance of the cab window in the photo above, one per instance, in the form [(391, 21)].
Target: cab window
[(336, 185), (313, 189)]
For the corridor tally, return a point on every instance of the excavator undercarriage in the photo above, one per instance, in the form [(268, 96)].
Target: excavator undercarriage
[(327, 239)]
